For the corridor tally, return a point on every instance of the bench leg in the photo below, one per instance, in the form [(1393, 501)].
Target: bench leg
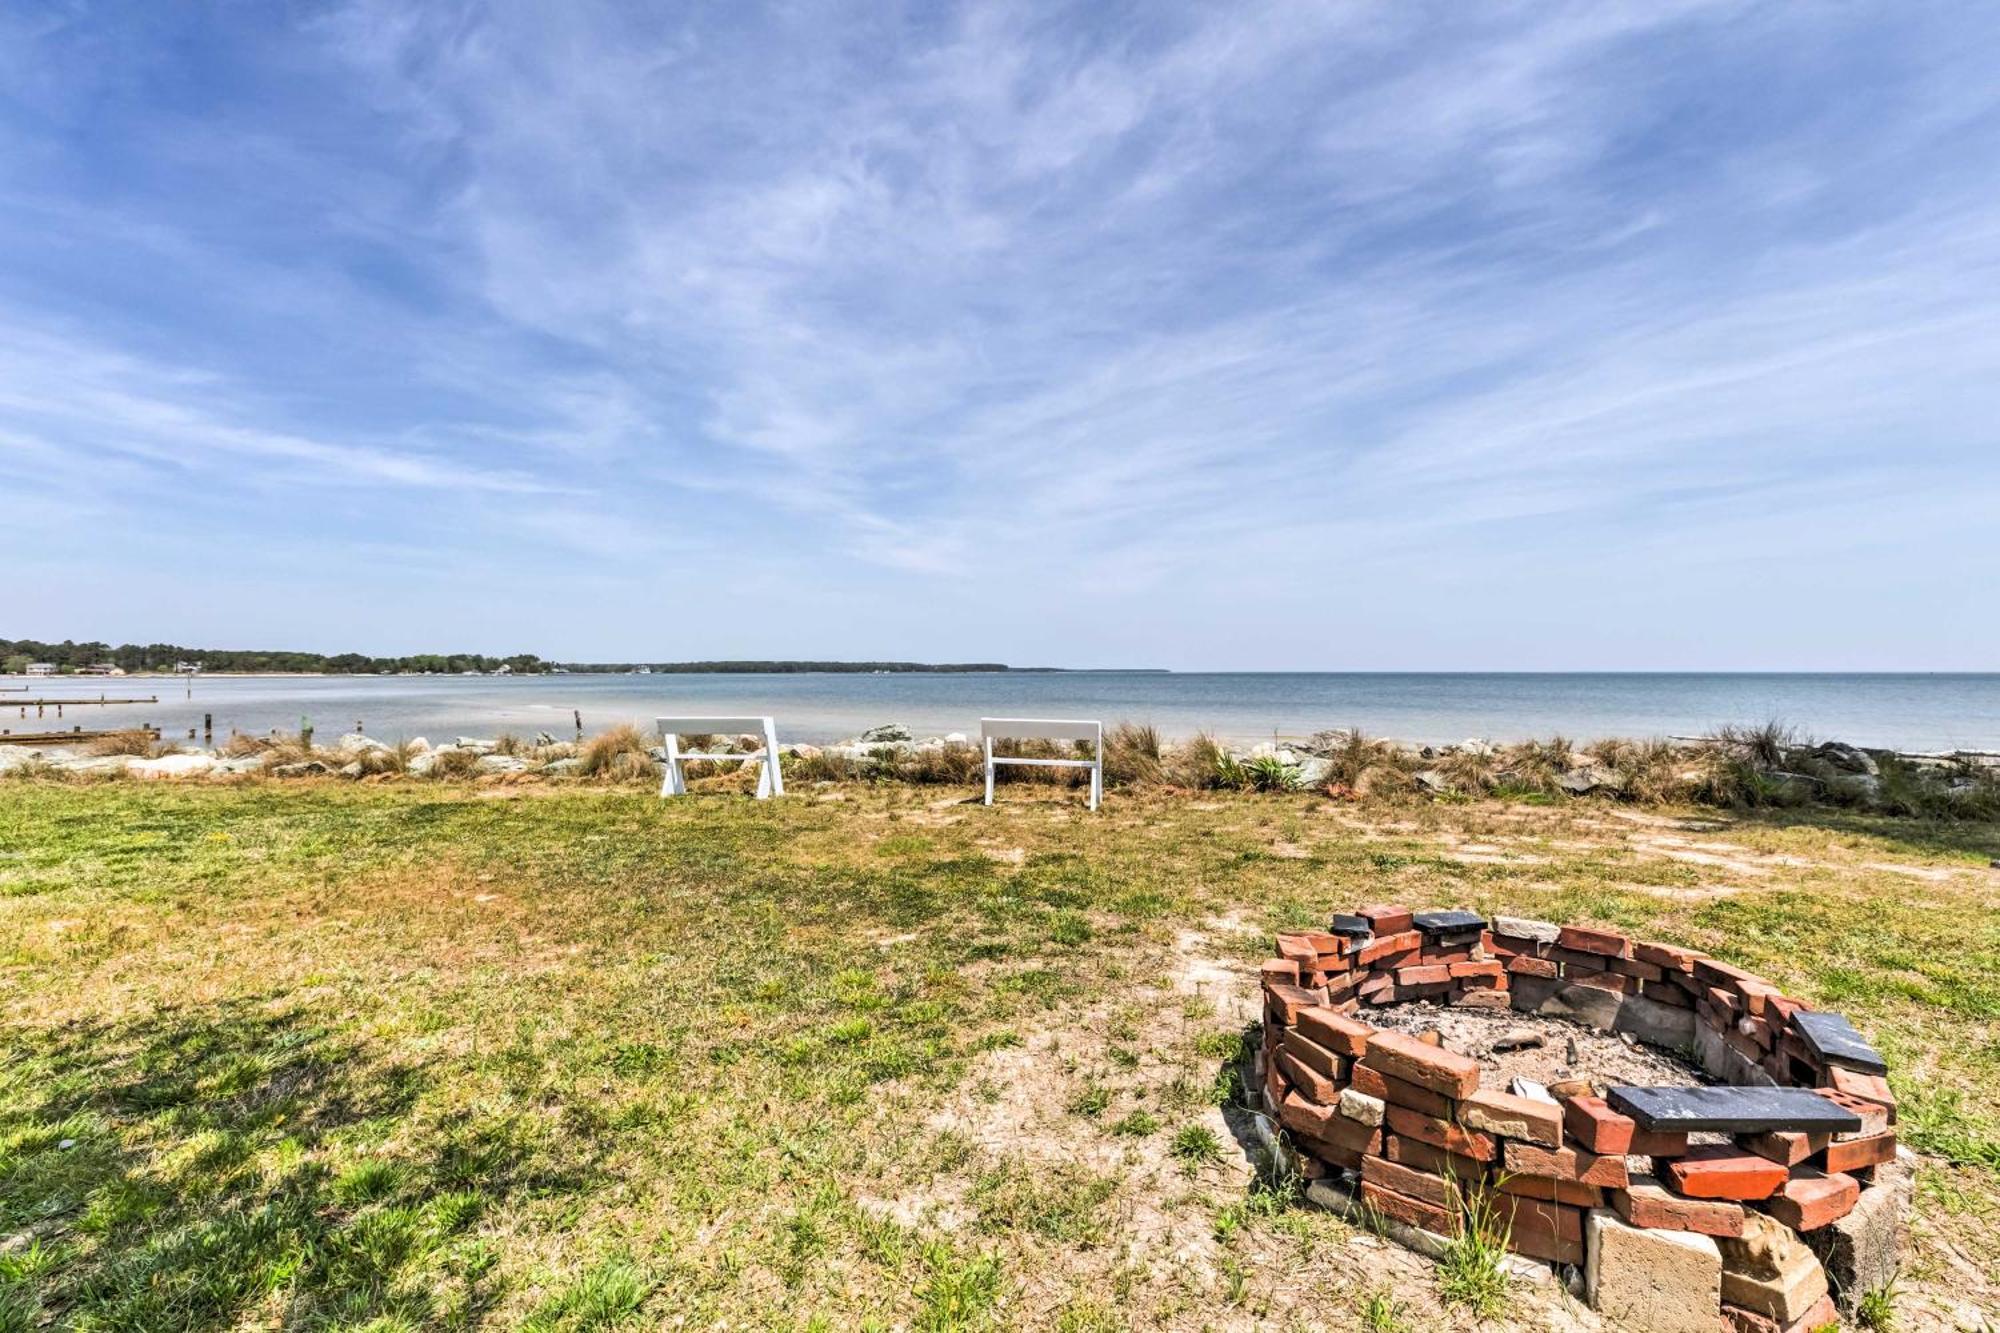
[(1096, 784), (772, 767), (989, 772), (764, 777), (671, 784)]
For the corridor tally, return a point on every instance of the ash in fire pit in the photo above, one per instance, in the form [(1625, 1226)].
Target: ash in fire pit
[(1548, 1051)]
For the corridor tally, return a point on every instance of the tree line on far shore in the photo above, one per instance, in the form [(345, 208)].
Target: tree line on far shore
[(68, 656)]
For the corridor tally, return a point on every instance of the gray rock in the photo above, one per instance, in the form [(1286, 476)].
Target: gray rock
[(350, 770), (476, 746), (1431, 780), (172, 766), (98, 763), (309, 768), (544, 738), (1527, 928), (419, 745), (562, 768), (1588, 1005), (423, 762), (1659, 1280), (501, 763), (1847, 758), (1313, 771), (1722, 1061), (1863, 1251), (356, 743), (229, 766), (1656, 1024), (890, 733), (801, 751)]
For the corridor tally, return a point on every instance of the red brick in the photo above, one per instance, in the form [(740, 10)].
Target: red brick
[(1724, 1002), (1444, 957), (1511, 946), (1552, 1191), (1350, 1136), (1588, 939), (1645, 1203), (1425, 1157), (1548, 1231), (1440, 1133), (1875, 1117), (1386, 919), (1853, 1154), (1331, 1153), (1586, 1168), (1421, 1100), (1715, 972), (1616, 982), (1598, 1128), (1411, 1212), (1514, 1117), (1337, 1033), (1756, 993), (1723, 1171), (1305, 1117), (1459, 971), (1532, 967), (1667, 992), (1658, 1143), (1378, 989), (1279, 971), (1810, 1200), (1666, 957), (1868, 1087), (1480, 993), (1309, 1081), (1423, 975), (1297, 949), (1401, 1056), (1424, 991), (1782, 1007), (1408, 1181), (1389, 946), (1632, 967), (1576, 962), (1783, 1146), (1286, 1001)]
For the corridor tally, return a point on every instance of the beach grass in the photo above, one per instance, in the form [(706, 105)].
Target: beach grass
[(445, 1055)]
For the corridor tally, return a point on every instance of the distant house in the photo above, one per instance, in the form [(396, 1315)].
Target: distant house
[(102, 669), (41, 668), (186, 668)]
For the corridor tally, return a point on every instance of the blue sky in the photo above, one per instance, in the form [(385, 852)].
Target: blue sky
[(1288, 336)]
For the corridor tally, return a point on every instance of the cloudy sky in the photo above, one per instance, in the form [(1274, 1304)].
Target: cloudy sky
[(1290, 336)]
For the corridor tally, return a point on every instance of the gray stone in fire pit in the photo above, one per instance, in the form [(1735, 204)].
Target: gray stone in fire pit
[(1343, 924), (1835, 1041), (1449, 923), (1733, 1110)]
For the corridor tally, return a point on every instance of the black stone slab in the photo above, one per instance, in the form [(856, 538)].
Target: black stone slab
[(1441, 923), (1733, 1110), (1834, 1040), (1344, 924)]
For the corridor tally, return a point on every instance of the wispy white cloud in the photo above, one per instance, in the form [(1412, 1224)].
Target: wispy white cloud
[(956, 305)]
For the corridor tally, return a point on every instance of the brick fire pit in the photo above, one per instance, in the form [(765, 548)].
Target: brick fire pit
[(1748, 1204)]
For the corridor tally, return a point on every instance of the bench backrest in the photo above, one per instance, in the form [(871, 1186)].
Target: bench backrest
[(1040, 729), (712, 726)]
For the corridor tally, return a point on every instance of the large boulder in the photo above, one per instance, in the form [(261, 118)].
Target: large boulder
[(354, 743), (96, 763), (889, 733), (172, 766), (1845, 758), (501, 763)]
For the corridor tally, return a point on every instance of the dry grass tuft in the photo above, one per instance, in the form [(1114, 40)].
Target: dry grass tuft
[(617, 755), (1132, 756), (136, 741)]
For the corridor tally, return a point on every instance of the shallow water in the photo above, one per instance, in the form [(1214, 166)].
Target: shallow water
[(1925, 712)]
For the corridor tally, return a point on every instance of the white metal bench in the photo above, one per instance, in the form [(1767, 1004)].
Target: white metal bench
[(770, 781), (993, 729)]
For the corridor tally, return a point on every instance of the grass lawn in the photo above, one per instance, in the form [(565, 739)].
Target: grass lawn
[(398, 1056)]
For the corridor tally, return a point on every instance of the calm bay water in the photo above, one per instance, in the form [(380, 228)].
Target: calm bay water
[(1926, 712)]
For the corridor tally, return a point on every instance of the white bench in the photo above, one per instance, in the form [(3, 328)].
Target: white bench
[(770, 782), (993, 729)]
